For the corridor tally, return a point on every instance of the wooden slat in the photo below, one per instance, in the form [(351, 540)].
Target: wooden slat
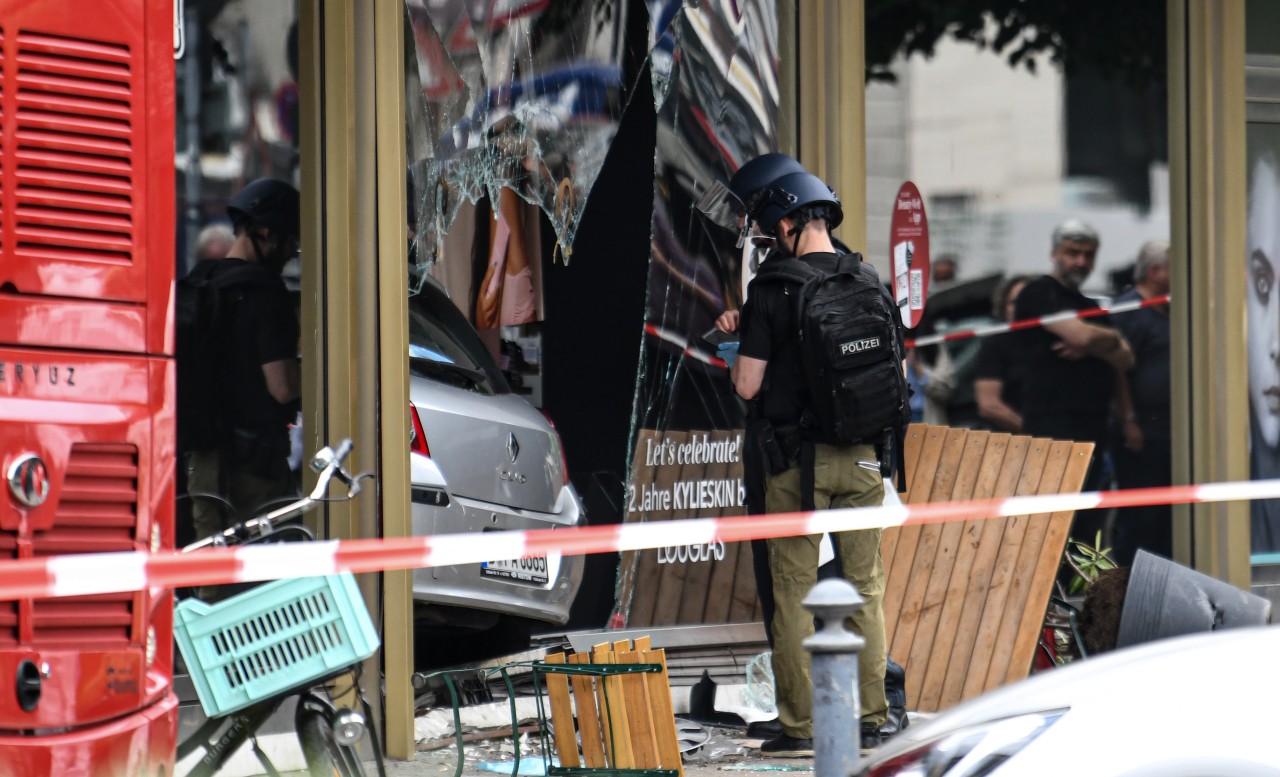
[(980, 577), (562, 714), (921, 566), (613, 704), (925, 647), (907, 537), (951, 644), (911, 454), (664, 720), (640, 724), (584, 703), (985, 645), (911, 446), (1041, 580), (1024, 566)]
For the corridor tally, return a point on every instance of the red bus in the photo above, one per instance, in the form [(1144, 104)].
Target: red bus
[(86, 376)]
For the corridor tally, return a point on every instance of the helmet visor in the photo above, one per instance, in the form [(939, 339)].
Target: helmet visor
[(721, 206)]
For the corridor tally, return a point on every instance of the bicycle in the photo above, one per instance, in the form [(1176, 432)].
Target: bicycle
[(286, 638)]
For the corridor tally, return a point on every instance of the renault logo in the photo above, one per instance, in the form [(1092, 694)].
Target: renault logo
[(513, 447), (29, 480)]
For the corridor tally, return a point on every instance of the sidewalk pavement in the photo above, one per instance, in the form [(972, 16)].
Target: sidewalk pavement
[(725, 754)]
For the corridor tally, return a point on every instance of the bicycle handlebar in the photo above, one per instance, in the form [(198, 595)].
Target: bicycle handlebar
[(328, 463)]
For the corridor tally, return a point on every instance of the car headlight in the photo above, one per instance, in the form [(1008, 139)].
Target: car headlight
[(970, 752)]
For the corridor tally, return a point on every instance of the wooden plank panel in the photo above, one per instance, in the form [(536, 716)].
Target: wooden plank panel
[(1024, 567), (898, 566), (1046, 566), (639, 721), (980, 580), (930, 643), (1002, 576), (911, 446), (921, 567), (613, 713), (664, 719), (584, 703), (953, 644), (912, 443), (562, 714)]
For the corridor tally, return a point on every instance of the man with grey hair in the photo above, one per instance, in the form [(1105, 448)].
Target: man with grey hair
[(214, 241), (1143, 407), (1071, 365)]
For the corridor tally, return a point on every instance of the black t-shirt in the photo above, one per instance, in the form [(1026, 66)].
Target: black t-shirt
[(767, 331), (1061, 398), (1147, 331), (1000, 359), (260, 328)]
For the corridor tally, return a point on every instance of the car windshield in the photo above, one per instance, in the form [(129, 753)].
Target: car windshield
[(443, 345)]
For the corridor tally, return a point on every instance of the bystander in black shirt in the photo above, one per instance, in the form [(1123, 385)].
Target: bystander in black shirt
[(1147, 330), (999, 358), (1061, 398)]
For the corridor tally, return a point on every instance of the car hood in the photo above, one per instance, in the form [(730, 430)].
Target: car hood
[(1197, 667), (491, 448)]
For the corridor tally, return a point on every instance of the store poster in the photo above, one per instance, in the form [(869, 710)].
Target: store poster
[(1262, 303)]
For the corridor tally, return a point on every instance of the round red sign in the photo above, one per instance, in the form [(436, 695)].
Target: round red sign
[(909, 254)]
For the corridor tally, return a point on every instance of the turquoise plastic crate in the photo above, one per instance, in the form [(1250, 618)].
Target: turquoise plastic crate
[(278, 636)]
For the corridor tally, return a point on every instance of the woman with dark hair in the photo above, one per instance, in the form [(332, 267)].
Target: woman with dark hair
[(997, 380)]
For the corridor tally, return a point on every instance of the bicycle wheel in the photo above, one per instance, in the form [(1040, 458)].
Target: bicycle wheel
[(324, 756)]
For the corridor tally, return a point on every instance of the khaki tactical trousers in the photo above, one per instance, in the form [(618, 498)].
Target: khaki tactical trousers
[(843, 477)]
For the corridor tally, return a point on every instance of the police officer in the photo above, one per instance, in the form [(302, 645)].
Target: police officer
[(255, 345), (797, 210)]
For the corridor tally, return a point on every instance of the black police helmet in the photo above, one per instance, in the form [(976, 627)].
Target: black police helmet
[(268, 203), (760, 172), (790, 193)]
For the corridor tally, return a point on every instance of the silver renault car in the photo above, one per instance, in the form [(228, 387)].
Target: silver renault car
[(483, 459)]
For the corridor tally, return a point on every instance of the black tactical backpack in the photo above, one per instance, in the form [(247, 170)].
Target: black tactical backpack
[(850, 353)]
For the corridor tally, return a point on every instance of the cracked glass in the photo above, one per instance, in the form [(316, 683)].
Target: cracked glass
[(715, 90), (512, 108)]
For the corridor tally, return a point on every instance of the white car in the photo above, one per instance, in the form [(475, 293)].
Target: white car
[(482, 459), (1195, 706)]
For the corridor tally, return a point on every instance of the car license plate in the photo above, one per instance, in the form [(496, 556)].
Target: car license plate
[(535, 571)]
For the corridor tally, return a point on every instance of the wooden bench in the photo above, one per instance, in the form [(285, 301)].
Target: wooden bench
[(965, 601), (624, 721)]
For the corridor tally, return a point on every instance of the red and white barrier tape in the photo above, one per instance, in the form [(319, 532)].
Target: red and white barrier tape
[(962, 334), (96, 573), (680, 342), (1032, 323)]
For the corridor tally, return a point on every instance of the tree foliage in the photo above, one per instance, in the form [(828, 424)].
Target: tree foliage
[(1118, 39)]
